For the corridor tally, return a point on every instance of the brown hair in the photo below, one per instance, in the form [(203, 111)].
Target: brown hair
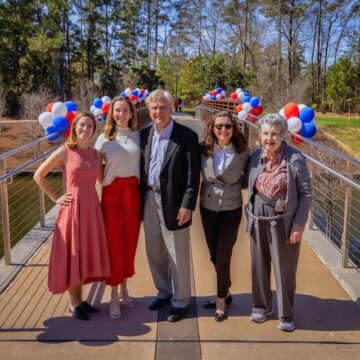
[(73, 140), (237, 138), (110, 125)]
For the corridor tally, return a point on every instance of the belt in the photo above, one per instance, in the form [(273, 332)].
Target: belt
[(154, 189), (264, 198)]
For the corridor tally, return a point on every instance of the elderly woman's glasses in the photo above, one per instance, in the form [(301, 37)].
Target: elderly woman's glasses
[(226, 126)]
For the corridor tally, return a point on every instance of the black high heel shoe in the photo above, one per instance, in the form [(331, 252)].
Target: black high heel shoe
[(220, 310), (212, 304)]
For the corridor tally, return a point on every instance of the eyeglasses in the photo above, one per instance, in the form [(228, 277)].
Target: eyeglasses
[(226, 126)]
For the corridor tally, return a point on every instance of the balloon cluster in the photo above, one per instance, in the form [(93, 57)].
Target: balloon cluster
[(58, 118), (136, 95), (300, 119), (100, 107), (250, 104), (216, 94)]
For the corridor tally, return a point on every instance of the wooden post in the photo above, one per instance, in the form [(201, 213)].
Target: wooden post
[(5, 215), (345, 235)]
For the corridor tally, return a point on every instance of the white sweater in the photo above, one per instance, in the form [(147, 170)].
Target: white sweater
[(121, 155)]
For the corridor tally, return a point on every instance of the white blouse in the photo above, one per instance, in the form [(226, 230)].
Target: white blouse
[(121, 155), (222, 158)]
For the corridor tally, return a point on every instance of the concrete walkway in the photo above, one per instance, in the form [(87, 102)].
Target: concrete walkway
[(36, 325)]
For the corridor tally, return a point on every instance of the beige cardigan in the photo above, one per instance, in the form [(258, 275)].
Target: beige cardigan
[(223, 192)]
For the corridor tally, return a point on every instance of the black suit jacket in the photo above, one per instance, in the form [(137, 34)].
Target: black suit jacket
[(179, 175)]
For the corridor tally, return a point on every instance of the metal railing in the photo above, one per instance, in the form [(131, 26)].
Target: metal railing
[(336, 186), (23, 204)]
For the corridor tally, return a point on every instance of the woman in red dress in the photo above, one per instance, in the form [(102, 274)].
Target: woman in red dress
[(79, 253), (119, 145)]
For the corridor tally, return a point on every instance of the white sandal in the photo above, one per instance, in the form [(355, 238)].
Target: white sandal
[(126, 301), (114, 310)]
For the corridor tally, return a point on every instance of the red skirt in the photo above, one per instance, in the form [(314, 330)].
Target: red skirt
[(121, 210)]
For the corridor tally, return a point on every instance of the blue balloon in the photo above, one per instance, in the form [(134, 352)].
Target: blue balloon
[(307, 114), (246, 99), (247, 94), (60, 123), (140, 95), (98, 103), (308, 130), (219, 90), (50, 130), (71, 106), (254, 101), (212, 97), (135, 92), (123, 94)]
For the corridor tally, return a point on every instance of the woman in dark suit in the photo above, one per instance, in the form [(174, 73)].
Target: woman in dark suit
[(223, 160), (280, 197)]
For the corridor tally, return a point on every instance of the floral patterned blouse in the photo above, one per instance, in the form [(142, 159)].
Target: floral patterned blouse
[(272, 182)]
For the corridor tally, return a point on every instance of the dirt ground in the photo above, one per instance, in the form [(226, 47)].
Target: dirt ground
[(15, 133)]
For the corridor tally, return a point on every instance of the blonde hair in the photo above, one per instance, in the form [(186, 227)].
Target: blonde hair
[(73, 140), (110, 125)]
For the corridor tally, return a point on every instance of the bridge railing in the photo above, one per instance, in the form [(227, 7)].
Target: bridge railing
[(336, 185), (22, 203)]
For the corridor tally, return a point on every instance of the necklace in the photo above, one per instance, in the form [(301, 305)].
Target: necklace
[(122, 137)]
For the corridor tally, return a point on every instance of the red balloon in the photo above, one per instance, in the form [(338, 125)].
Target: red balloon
[(105, 107), (213, 92), (238, 108), (234, 95), (132, 97), (257, 110), (142, 91), (70, 116), (260, 109), (296, 140), (291, 110), (49, 106)]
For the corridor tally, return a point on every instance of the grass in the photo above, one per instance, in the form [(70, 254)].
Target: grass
[(343, 129), (342, 121)]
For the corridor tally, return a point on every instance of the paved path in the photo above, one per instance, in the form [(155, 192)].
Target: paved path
[(37, 325)]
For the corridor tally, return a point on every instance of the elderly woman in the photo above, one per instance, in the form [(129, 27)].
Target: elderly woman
[(223, 160), (280, 197)]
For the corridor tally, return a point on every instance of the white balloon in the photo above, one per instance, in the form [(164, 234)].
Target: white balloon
[(97, 112), (106, 99), (281, 112), (46, 119), (301, 106), (246, 106), (239, 90), (128, 91), (92, 108), (59, 109), (294, 124), (242, 115), (223, 94), (208, 96), (134, 102), (218, 96)]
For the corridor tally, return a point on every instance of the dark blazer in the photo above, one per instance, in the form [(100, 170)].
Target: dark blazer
[(179, 175), (299, 189)]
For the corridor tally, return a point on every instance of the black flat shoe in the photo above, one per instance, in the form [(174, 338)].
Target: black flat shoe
[(212, 304), (89, 309), (79, 313), (157, 303)]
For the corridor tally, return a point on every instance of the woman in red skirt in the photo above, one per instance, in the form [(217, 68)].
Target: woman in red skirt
[(119, 145)]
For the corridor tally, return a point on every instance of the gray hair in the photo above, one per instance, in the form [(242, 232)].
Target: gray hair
[(274, 120), (157, 94)]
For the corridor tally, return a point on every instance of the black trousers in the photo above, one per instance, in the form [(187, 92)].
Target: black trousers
[(221, 229)]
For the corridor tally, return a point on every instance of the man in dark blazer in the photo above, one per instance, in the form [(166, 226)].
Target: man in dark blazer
[(169, 180)]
